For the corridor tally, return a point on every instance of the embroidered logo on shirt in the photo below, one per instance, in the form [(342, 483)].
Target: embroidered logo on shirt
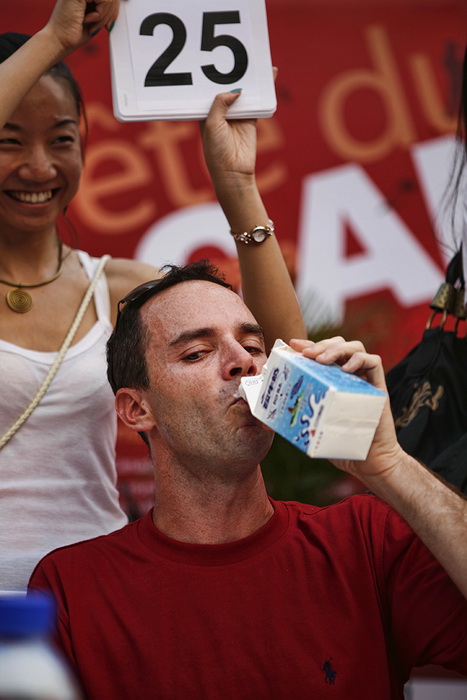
[(329, 673)]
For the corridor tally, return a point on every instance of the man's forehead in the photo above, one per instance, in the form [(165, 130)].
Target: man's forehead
[(193, 302)]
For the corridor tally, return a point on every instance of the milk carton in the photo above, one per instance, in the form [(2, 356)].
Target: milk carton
[(321, 409)]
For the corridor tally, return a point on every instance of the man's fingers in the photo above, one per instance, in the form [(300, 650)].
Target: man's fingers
[(350, 355), (328, 350)]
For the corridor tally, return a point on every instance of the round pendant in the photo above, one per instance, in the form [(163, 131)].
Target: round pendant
[(19, 300)]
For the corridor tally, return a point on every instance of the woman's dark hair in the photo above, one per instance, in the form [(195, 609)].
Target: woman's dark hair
[(456, 186), (462, 130), (10, 42)]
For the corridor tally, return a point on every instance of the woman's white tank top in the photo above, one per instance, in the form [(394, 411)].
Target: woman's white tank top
[(57, 473)]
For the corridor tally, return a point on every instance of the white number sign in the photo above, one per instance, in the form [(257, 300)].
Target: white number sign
[(170, 57)]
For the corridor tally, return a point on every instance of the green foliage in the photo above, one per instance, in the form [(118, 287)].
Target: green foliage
[(291, 475)]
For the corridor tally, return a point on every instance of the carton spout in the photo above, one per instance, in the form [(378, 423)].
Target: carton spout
[(250, 389)]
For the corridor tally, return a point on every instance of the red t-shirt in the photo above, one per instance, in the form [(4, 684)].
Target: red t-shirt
[(338, 602)]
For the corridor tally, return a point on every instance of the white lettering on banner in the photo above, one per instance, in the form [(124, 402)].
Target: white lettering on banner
[(392, 258), (433, 162), (173, 238)]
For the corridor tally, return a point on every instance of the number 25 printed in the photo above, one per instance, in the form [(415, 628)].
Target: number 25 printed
[(158, 76)]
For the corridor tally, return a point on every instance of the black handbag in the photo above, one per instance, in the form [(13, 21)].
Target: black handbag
[(428, 388)]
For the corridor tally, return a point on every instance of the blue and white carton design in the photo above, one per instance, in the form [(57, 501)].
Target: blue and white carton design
[(321, 409)]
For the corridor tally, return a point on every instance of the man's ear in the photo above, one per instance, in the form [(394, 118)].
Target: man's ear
[(134, 410)]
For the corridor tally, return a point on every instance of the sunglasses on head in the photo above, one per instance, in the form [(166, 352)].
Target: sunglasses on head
[(137, 296)]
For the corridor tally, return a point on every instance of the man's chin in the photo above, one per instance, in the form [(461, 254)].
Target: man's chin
[(259, 437), (253, 422), (248, 419)]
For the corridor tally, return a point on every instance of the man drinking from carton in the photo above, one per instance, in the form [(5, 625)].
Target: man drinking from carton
[(220, 592)]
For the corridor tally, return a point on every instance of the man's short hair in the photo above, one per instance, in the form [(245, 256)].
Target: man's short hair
[(126, 347)]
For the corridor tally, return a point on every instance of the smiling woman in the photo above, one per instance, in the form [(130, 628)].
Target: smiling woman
[(57, 469), (40, 159), (52, 493)]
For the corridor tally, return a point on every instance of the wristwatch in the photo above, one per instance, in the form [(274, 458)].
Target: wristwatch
[(257, 235)]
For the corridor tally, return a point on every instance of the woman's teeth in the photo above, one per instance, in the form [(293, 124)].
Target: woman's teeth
[(32, 197)]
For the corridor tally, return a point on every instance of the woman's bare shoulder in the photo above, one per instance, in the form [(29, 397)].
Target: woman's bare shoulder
[(123, 275)]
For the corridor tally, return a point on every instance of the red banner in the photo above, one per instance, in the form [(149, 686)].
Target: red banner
[(352, 166)]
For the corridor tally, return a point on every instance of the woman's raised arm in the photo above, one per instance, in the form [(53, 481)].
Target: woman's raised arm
[(230, 153), (71, 24)]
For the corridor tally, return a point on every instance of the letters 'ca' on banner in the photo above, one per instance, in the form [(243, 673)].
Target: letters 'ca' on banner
[(169, 58)]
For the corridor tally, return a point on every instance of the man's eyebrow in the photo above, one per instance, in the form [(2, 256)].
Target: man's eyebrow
[(208, 332), (252, 329), (187, 336)]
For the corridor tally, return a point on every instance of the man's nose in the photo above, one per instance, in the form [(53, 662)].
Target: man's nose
[(240, 364), (38, 165)]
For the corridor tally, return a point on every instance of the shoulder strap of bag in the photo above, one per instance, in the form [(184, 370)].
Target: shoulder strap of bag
[(61, 354)]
